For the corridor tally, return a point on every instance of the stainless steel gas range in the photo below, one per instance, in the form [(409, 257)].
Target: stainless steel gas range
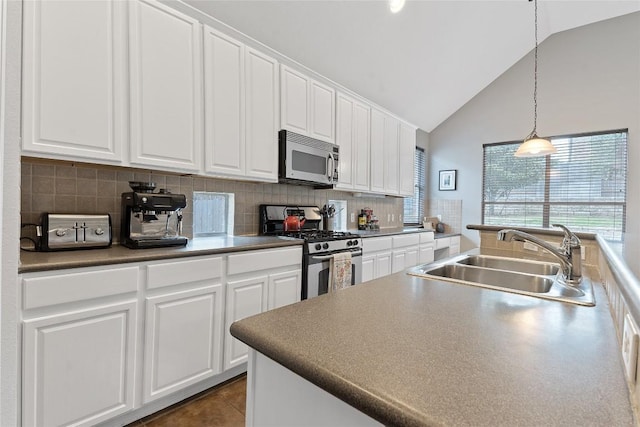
[(319, 245)]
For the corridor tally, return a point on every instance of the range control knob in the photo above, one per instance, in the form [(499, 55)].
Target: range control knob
[(349, 243), (318, 246), (325, 246), (99, 231), (355, 243), (144, 199), (60, 232)]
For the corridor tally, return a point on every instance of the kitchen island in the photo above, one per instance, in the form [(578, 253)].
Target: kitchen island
[(403, 350)]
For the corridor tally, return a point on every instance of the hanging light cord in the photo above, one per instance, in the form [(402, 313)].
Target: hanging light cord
[(535, 73)]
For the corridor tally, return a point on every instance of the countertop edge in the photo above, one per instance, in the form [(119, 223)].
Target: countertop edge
[(51, 261), (379, 409), (531, 230)]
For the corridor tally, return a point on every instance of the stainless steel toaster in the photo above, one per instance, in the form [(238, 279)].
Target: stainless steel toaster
[(75, 231)]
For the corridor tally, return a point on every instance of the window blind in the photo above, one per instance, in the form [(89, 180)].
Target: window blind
[(414, 206), (582, 186)]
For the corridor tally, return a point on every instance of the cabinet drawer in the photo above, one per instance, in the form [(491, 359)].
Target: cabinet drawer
[(427, 237), (176, 272), (41, 290), (262, 260), (375, 244), (443, 242), (406, 240)]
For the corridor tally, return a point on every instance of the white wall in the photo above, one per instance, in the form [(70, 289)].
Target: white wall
[(9, 364), (588, 80)]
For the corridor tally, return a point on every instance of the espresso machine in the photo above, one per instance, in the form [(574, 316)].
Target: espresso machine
[(151, 220)]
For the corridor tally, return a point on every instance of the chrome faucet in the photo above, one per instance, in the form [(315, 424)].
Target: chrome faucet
[(569, 253)]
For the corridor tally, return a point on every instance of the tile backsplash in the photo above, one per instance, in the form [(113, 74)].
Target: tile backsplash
[(451, 212), (66, 187)]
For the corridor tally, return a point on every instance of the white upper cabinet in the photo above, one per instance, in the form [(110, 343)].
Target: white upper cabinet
[(224, 103), (352, 135), (166, 87), (406, 156), (390, 150), (262, 101), (294, 100), (377, 151), (307, 107), (73, 75), (344, 139), (323, 112), (241, 109)]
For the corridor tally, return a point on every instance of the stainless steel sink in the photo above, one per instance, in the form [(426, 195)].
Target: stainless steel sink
[(512, 264), (533, 278)]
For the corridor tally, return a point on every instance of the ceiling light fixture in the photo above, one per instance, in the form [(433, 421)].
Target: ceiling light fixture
[(533, 145), (396, 5)]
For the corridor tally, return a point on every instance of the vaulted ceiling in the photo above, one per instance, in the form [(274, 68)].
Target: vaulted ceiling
[(422, 63)]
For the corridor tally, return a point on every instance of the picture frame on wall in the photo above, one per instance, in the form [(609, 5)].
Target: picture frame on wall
[(448, 180)]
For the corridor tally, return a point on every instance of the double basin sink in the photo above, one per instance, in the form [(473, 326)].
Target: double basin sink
[(533, 278)]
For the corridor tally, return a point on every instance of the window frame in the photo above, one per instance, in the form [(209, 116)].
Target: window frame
[(546, 203), (419, 189)]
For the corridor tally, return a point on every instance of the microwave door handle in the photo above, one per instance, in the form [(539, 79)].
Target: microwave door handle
[(331, 164)]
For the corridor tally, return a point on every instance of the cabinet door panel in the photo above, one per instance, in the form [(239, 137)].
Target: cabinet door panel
[(361, 143), (78, 366), (175, 359), (166, 87), (244, 298), (284, 288), (344, 139), (411, 257), (368, 268), (383, 264), (398, 261), (262, 95), (224, 103), (294, 100), (73, 98), (323, 101), (390, 149), (426, 254), (377, 151)]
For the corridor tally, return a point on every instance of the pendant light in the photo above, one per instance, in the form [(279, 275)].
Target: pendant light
[(533, 145), (396, 5)]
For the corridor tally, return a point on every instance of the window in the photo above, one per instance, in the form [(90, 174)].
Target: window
[(340, 215), (414, 206), (212, 213), (582, 186)]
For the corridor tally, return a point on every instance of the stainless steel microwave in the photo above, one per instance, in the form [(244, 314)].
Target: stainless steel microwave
[(307, 161)]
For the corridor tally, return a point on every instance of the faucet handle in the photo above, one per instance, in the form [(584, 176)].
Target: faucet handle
[(570, 238)]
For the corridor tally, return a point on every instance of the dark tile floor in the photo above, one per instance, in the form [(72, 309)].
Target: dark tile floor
[(223, 405)]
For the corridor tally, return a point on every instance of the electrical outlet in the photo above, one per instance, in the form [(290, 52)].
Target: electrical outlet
[(353, 217), (393, 217), (530, 247), (583, 253), (388, 217), (630, 348)]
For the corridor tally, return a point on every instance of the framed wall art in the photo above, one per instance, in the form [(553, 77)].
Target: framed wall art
[(448, 180)]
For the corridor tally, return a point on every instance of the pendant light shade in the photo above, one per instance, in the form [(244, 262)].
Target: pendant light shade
[(533, 145)]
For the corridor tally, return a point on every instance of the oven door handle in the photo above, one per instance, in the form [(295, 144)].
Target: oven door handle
[(326, 257)]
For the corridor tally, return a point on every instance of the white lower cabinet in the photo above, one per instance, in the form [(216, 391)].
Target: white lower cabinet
[(258, 281), (376, 257), (244, 298), (78, 352), (78, 366), (183, 339), (90, 354), (405, 251)]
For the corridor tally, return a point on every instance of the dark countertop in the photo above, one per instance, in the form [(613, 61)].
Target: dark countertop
[(117, 254), (411, 351), (398, 230)]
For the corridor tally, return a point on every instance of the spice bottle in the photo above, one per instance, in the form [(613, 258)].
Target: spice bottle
[(362, 220)]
